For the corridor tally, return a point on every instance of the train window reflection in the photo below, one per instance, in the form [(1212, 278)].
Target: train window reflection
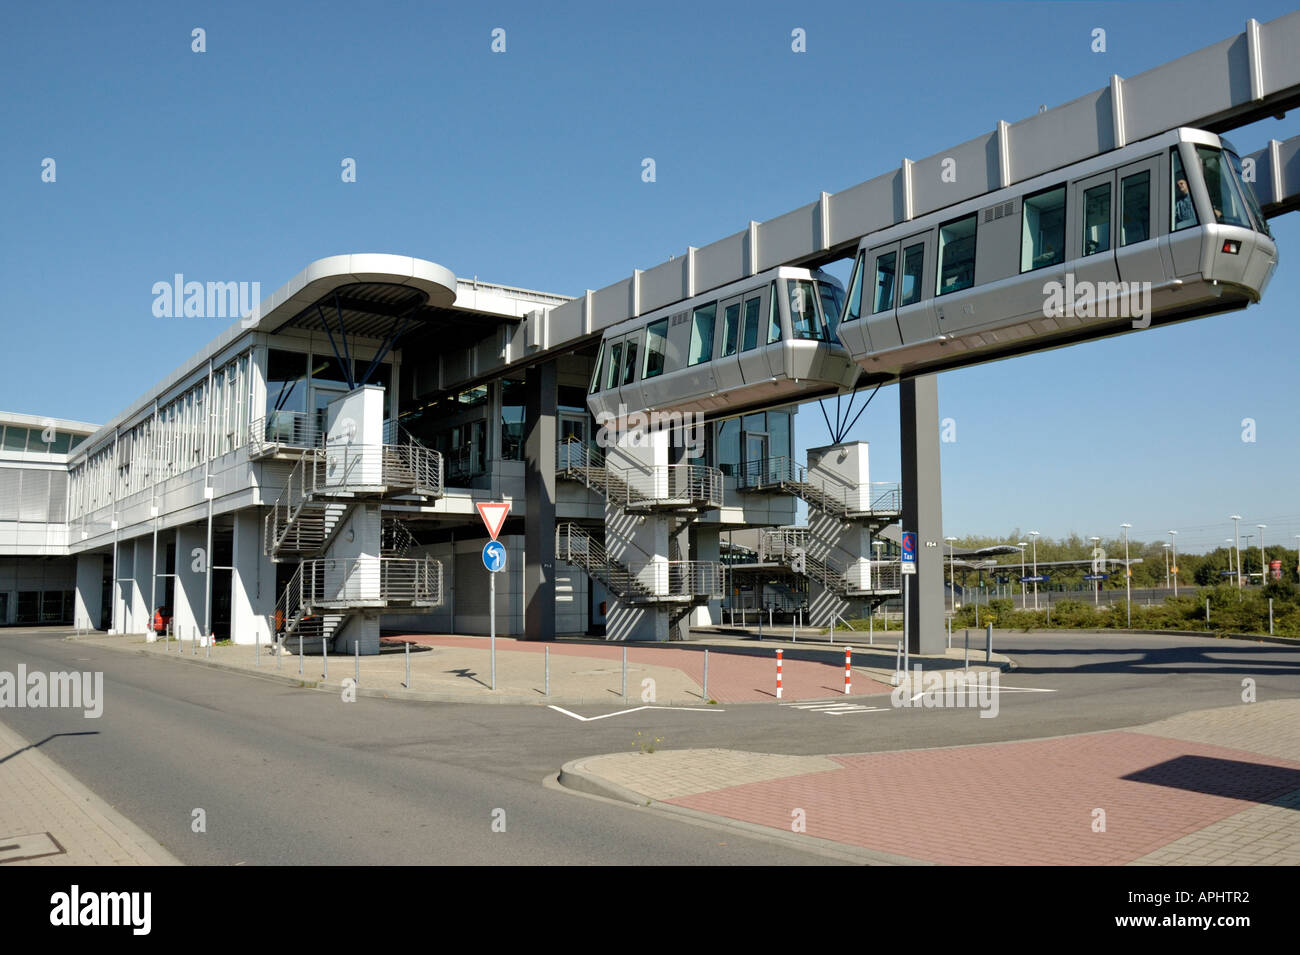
[(730, 329), (854, 307), (1229, 207), (656, 346), (751, 323), (885, 267), (913, 264), (773, 316), (702, 334), (595, 373), (1135, 208), (1261, 223), (629, 361), (1096, 219), (615, 356), (956, 255), (1042, 240), (804, 318)]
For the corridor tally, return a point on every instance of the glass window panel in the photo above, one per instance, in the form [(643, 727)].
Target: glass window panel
[(773, 316), (730, 329), (1261, 224), (831, 297), (285, 373), (595, 372), (1096, 219), (778, 434), (913, 268), (1229, 208), (656, 348), (751, 323), (702, 334), (886, 265), (1182, 208), (16, 438), (956, 255), (629, 361), (728, 447), (805, 321), (1135, 208), (615, 362), (1042, 241), (853, 309)]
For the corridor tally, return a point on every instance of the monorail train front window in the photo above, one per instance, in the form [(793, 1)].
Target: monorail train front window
[(832, 299), (1261, 224), (615, 355), (595, 372), (886, 266), (1229, 207), (656, 347), (854, 306), (956, 255), (629, 361), (804, 319), (1042, 240), (913, 266)]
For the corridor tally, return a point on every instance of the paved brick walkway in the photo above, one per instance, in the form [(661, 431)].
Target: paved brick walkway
[(37, 796), (733, 677), (1174, 792)]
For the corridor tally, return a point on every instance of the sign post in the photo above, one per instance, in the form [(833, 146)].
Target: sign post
[(909, 570), (494, 559)]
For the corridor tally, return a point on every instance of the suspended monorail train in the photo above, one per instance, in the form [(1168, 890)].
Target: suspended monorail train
[(1158, 231), (758, 342)]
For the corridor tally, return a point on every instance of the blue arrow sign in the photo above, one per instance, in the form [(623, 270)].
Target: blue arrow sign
[(494, 556)]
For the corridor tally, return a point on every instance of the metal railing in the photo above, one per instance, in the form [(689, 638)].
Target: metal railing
[(790, 546), (651, 582), (330, 582), (281, 430), (413, 466), (819, 490), (667, 486)]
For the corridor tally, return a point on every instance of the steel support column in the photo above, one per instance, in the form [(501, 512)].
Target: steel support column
[(539, 502), (918, 406)]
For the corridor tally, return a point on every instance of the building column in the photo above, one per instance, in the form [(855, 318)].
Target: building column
[(90, 591), (539, 502), (639, 541), (918, 408), (141, 612), (252, 582), (123, 574), (189, 589)]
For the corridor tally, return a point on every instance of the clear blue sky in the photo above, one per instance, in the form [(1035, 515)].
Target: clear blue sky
[(524, 168)]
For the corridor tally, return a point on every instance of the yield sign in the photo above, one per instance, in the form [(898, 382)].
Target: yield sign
[(494, 515)]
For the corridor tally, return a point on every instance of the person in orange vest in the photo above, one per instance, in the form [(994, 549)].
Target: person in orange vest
[(160, 621)]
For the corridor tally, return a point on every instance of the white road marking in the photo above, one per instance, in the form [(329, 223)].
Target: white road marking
[(837, 709), (589, 719)]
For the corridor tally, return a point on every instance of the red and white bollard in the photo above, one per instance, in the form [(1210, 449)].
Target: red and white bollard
[(778, 674), (848, 670)]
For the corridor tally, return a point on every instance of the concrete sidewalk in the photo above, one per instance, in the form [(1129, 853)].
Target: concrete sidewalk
[(458, 669), (47, 817), (1212, 787)]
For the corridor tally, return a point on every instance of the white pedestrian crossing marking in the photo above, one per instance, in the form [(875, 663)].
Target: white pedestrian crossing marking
[(831, 708)]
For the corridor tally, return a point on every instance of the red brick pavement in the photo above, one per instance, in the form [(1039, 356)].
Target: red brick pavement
[(733, 677), (1025, 803)]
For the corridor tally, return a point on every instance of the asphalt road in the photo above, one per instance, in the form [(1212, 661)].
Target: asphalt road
[(295, 776)]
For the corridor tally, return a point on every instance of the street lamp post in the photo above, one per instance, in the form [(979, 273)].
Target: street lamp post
[(1173, 556), (1263, 561), (1023, 544), (1228, 541), (1128, 578), (952, 574), (1166, 547), (1096, 584), (1236, 534), (1034, 536)]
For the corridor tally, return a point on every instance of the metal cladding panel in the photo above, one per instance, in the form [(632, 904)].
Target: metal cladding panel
[(612, 304), (722, 262), (790, 236), (664, 284), (1077, 130), (566, 321), (1185, 91), (866, 207), (1287, 174), (975, 165), (1279, 40)]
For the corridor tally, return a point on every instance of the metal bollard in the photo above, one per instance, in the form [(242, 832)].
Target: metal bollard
[(257, 648), (300, 654), (407, 684), (211, 638), (279, 652), (706, 674), (967, 632), (988, 644), (871, 628), (1270, 616), (760, 624), (950, 633), (625, 672), (546, 654), (356, 661), (898, 658), (794, 629), (325, 657)]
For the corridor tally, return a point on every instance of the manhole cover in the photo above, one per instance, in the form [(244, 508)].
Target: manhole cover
[(31, 846)]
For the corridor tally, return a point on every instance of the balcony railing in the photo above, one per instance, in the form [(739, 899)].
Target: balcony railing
[(819, 489), (341, 583)]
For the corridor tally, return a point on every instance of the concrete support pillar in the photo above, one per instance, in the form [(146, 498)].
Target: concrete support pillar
[(922, 510), (539, 500), (90, 591), (124, 574), (141, 612), (188, 595), (705, 546), (639, 541), (252, 582), (843, 471)]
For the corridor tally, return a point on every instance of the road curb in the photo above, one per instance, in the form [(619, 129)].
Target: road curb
[(575, 776)]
